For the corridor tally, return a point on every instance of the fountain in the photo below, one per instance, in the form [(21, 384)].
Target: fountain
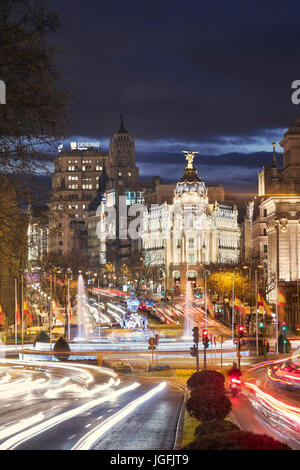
[(188, 318), (81, 310)]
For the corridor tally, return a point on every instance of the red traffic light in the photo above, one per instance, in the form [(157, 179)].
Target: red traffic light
[(204, 333), (241, 328)]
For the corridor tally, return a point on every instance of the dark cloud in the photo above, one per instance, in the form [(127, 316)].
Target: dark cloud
[(237, 172), (184, 69), (213, 77)]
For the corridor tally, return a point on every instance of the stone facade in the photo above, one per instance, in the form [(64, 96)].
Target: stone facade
[(190, 233), (276, 231)]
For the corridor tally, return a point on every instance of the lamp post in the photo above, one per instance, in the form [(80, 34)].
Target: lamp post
[(232, 314), (50, 319), (256, 313), (205, 273)]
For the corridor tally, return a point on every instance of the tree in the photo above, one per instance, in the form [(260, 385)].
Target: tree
[(13, 225), (34, 117), (35, 113), (222, 282)]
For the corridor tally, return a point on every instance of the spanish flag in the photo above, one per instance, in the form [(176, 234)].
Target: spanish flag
[(70, 312), (59, 316), (261, 302), (1, 317), (209, 306), (281, 299), (238, 304), (27, 312), (17, 314)]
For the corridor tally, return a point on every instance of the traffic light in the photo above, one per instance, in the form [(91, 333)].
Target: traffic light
[(241, 331), (193, 351), (261, 326), (283, 327), (196, 334), (205, 339)]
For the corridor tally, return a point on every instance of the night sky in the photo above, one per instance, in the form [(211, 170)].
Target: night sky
[(213, 77)]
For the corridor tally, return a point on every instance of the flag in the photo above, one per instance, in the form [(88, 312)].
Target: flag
[(70, 312), (17, 314), (261, 302), (27, 312), (1, 317), (281, 299), (238, 304), (210, 306)]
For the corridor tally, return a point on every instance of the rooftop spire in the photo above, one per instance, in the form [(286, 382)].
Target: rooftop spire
[(122, 129)]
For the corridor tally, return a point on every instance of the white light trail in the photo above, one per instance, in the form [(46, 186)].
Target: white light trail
[(23, 424), (22, 437), (88, 441)]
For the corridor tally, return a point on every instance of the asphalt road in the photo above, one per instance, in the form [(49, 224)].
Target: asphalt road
[(152, 424), (152, 427)]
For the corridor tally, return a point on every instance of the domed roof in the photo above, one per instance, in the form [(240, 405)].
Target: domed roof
[(190, 186)]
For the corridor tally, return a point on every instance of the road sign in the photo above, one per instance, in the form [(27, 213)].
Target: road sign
[(221, 339)]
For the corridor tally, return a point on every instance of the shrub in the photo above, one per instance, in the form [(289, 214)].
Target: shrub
[(236, 440), (215, 426), (207, 404), (42, 337), (61, 346), (207, 378)]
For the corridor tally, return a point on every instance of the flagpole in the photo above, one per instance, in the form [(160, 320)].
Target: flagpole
[(98, 296), (276, 329), (50, 320), (232, 308), (69, 335), (16, 331), (256, 313), (22, 315), (205, 299)]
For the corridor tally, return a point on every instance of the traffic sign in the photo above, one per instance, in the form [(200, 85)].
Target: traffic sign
[(221, 339)]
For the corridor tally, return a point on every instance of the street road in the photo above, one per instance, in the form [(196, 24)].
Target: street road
[(55, 406), (268, 408)]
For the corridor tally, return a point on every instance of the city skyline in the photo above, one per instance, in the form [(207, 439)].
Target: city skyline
[(149, 227)]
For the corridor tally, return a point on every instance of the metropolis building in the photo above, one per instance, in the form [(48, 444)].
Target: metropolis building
[(190, 233)]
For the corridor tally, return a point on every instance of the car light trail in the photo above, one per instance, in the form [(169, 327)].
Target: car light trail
[(22, 437), (23, 424), (88, 441), (289, 411)]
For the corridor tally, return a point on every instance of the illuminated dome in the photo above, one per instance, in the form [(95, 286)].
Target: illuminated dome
[(190, 188)]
